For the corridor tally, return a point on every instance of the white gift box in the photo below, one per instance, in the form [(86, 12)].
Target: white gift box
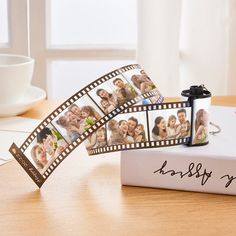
[(210, 168)]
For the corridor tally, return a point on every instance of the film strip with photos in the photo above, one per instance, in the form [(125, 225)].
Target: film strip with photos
[(80, 116), (119, 111), (156, 125), (144, 126)]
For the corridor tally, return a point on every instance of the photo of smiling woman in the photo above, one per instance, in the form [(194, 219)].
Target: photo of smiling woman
[(159, 130), (201, 129), (108, 100)]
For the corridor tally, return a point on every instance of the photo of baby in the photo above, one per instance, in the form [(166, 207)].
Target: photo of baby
[(97, 139), (46, 147), (172, 124), (113, 94), (117, 135), (77, 119)]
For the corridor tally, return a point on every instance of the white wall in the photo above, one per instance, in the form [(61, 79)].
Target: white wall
[(203, 44), (198, 35), (158, 42), (231, 54)]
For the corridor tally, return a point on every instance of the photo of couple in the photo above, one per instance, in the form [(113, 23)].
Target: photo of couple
[(142, 82), (113, 94), (47, 146), (164, 129), (76, 120)]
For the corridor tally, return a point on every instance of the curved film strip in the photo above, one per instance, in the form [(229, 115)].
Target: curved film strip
[(121, 110), (144, 126), (81, 116), (156, 125)]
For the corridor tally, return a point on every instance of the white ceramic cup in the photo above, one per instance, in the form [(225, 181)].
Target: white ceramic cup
[(16, 73)]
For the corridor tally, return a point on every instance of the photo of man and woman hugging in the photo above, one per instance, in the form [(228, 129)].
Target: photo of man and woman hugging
[(142, 82), (49, 145), (111, 96), (76, 120), (126, 131), (170, 129)]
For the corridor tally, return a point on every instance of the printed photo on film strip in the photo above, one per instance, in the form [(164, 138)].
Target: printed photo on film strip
[(143, 126), (121, 110), (81, 116)]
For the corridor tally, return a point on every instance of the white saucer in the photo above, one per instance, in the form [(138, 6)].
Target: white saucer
[(32, 96)]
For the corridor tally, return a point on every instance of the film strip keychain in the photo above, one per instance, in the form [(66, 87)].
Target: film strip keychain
[(162, 125), (121, 110)]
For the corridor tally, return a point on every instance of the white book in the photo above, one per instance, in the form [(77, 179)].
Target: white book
[(210, 168)]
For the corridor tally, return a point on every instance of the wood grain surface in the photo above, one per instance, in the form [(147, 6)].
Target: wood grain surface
[(84, 197)]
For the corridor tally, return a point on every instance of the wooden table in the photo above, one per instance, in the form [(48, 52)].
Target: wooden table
[(84, 197)]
